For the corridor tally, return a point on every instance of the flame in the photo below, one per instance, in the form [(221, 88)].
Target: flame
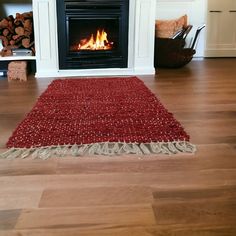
[(101, 42)]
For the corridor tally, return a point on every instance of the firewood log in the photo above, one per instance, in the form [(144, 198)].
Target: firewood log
[(5, 32), (27, 43), (4, 23), (17, 42), (20, 30), (4, 41), (20, 18), (28, 26), (16, 36)]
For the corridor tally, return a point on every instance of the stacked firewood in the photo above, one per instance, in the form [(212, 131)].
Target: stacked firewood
[(17, 32)]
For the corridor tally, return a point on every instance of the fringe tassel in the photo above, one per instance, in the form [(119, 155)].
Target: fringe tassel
[(107, 148)]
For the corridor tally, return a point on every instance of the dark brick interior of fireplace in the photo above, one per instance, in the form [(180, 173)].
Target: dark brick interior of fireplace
[(77, 19)]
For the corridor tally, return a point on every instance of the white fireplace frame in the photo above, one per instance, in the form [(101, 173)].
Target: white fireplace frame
[(140, 46)]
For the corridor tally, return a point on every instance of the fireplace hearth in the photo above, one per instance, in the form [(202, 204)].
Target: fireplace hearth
[(92, 33)]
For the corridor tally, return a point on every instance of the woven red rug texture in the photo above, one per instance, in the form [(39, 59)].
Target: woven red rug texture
[(85, 111)]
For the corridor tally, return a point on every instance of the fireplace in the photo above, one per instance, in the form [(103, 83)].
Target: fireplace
[(136, 59), (92, 33)]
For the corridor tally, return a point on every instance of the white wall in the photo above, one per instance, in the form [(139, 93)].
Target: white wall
[(196, 11), (11, 7)]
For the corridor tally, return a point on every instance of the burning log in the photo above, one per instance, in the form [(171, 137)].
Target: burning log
[(99, 43), (17, 32)]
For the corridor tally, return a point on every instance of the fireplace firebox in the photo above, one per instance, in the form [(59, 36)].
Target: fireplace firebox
[(92, 33)]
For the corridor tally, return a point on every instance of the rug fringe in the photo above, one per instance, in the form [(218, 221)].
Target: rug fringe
[(107, 148)]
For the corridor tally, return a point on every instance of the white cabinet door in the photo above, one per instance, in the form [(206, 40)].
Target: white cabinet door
[(221, 28)]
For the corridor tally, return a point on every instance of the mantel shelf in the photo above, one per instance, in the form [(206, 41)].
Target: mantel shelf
[(17, 58)]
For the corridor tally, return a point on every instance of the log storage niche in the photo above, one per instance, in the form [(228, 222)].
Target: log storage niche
[(17, 33)]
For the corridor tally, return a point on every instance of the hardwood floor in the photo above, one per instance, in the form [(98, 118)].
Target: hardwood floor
[(122, 196)]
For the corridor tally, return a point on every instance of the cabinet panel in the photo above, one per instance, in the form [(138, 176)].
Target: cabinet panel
[(217, 5), (221, 28), (233, 4), (214, 28)]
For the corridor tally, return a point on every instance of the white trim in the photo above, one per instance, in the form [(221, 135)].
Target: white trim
[(16, 58), (95, 72)]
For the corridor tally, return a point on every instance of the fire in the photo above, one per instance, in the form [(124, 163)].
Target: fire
[(100, 43)]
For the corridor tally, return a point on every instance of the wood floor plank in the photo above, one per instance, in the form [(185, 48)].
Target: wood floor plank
[(19, 198), (192, 230), (99, 217), (27, 167), (215, 212), (212, 177), (183, 194), (113, 231), (97, 196), (79, 231), (219, 210)]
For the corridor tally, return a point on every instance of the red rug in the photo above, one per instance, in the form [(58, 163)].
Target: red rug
[(97, 116)]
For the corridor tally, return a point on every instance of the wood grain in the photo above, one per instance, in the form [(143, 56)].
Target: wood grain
[(152, 195)]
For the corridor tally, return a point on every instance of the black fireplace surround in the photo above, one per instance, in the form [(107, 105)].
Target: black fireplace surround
[(79, 19)]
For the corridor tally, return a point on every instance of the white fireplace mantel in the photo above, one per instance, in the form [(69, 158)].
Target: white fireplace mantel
[(140, 45)]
